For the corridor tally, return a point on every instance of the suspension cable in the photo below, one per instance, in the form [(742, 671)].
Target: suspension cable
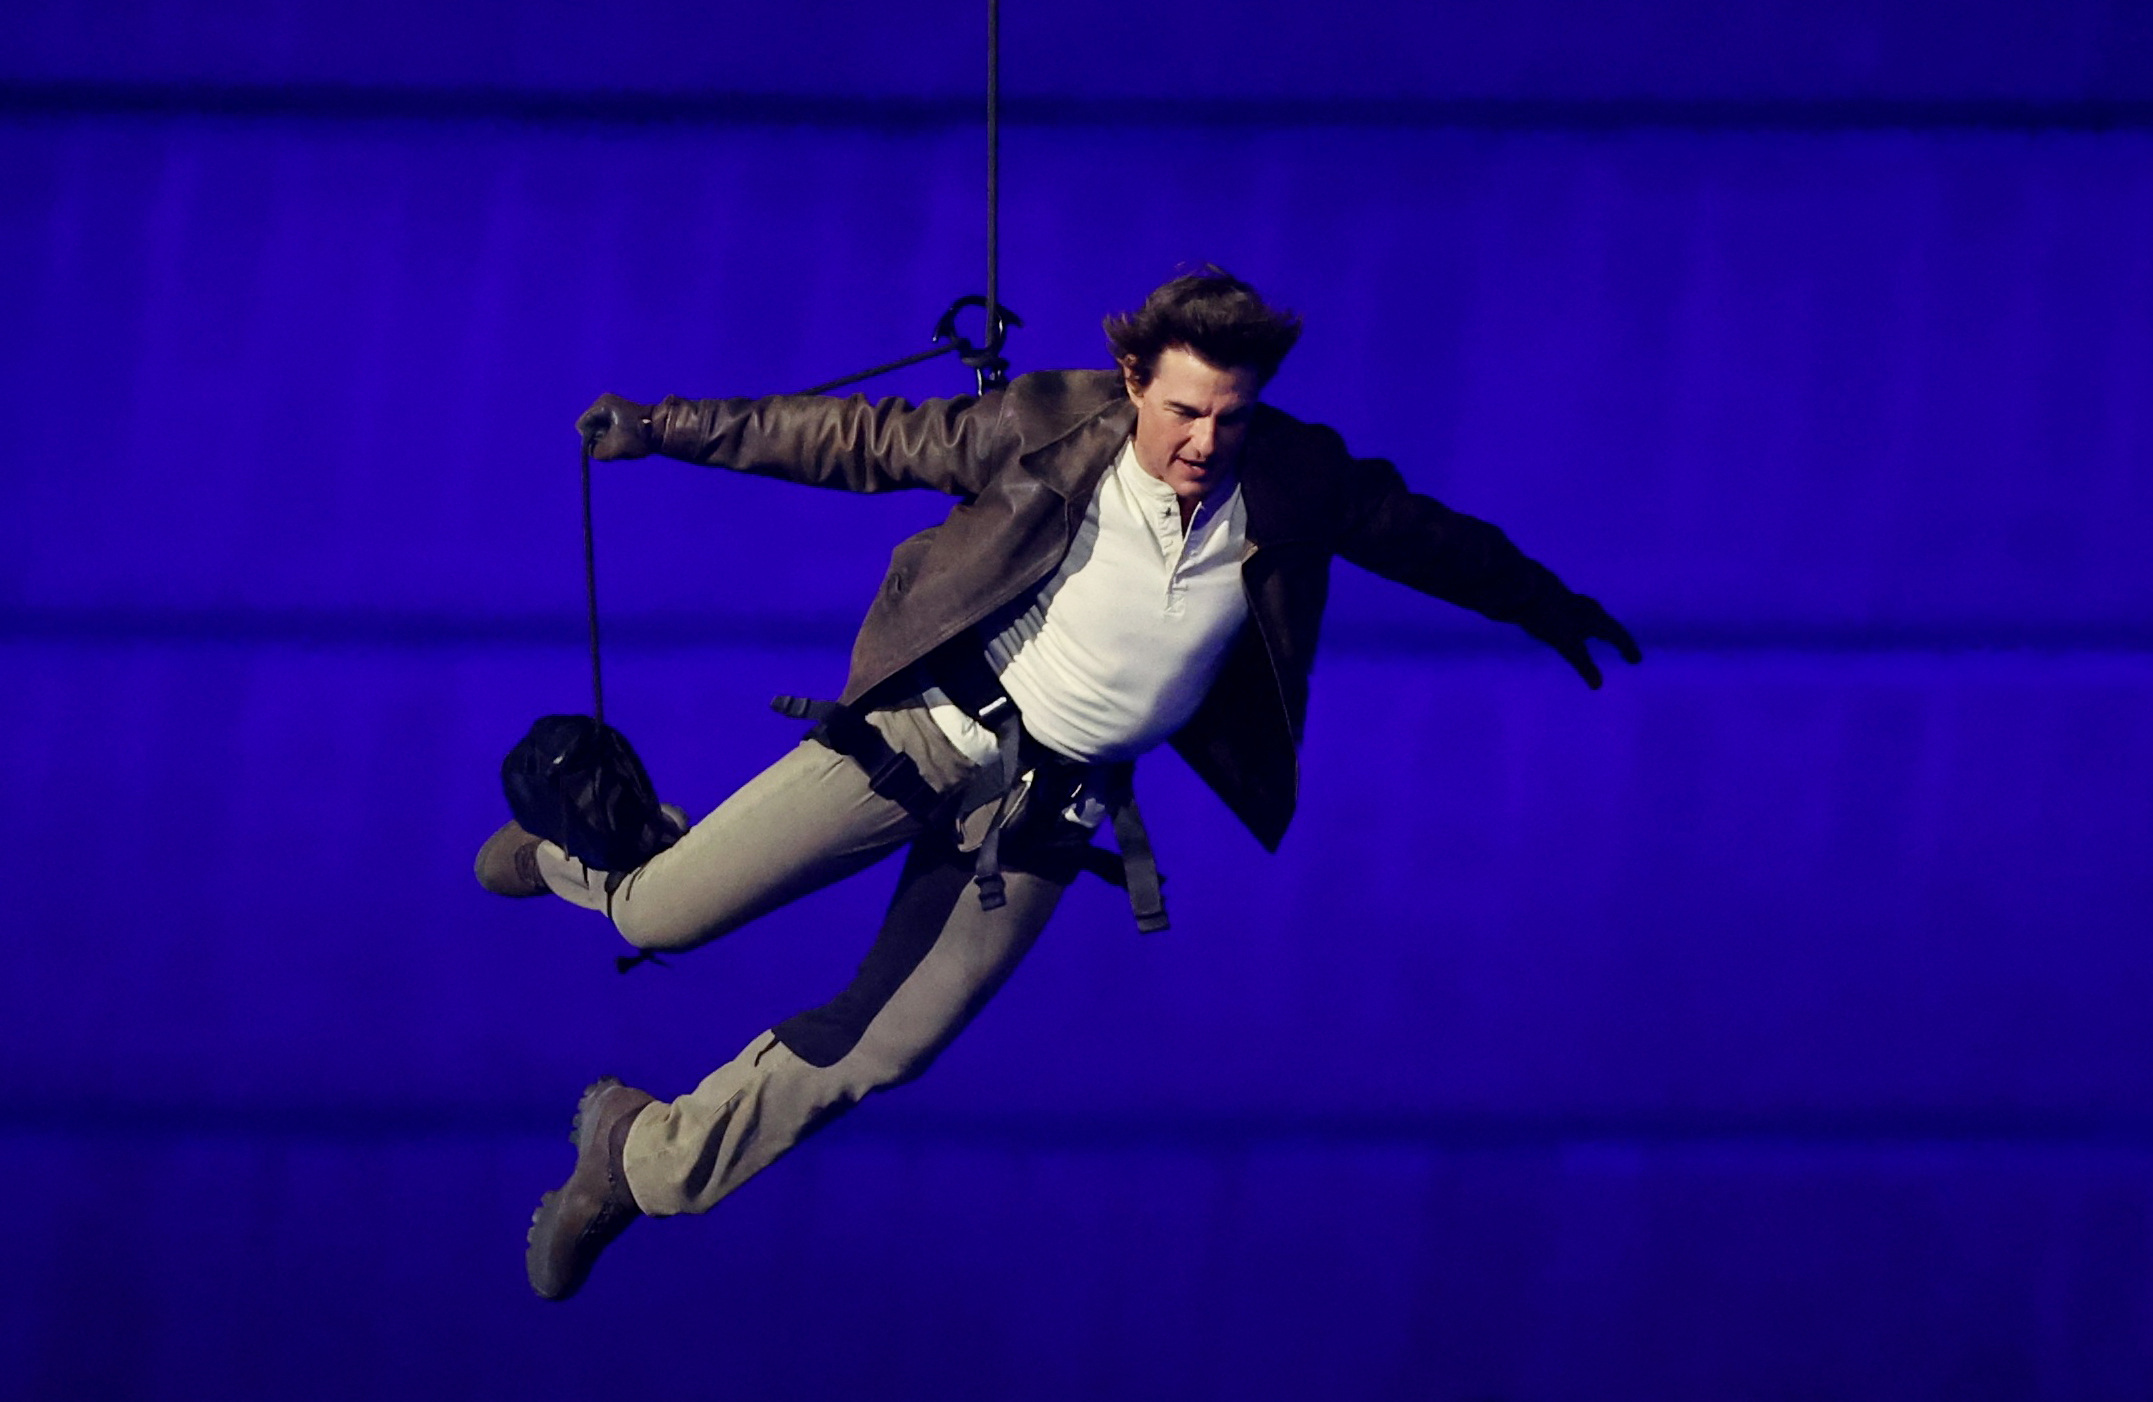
[(984, 359), (994, 171)]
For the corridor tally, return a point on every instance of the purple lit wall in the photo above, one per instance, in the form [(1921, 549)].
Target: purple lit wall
[(1776, 1023)]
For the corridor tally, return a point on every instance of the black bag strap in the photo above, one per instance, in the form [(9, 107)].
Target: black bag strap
[(890, 771), (590, 584)]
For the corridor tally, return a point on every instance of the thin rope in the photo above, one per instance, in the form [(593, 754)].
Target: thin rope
[(590, 581), (827, 385), (994, 167)]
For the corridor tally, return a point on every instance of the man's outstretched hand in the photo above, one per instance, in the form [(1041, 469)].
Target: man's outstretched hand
[(617, 428), (1566, 627)]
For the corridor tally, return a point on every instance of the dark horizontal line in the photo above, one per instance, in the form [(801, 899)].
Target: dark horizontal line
[(332, 102), (380, 1124), (1355, 638), (1458, 637), (1496, 1133), (419, 632)]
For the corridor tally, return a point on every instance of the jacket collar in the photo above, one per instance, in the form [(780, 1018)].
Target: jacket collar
[(1083, 447)]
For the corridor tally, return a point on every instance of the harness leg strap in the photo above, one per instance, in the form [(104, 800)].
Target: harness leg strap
[(1147, 901), (987, 870)]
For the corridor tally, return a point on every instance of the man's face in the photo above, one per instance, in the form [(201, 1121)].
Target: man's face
[(1190, 421)]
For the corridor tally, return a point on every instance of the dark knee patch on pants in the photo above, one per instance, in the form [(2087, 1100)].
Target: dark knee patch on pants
[(936, 876)]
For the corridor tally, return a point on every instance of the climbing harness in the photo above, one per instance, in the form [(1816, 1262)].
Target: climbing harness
[(1034, 776)]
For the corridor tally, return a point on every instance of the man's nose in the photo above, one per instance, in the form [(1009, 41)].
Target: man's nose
[(1201, 435)]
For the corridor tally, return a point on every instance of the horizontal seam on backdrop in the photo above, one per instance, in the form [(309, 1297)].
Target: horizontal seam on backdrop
[(1346, 637), (332, 102), (1163, 1130)]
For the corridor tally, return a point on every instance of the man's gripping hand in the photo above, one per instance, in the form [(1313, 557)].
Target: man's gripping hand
[(1572, 620), (618, 428)]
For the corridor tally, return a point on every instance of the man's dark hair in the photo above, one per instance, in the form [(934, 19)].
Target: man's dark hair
[(1220, 318)]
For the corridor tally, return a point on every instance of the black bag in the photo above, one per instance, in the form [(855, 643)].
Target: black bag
[(577, 782)]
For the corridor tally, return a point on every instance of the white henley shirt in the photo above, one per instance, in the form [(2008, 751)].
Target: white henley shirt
[(1115, 651)]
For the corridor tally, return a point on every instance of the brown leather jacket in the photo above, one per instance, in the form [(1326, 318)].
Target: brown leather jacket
[(1024, 462)]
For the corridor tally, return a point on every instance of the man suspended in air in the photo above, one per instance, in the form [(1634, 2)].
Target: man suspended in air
[(1137, 556)]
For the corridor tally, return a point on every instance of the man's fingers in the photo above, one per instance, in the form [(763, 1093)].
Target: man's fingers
[(1602, 625), (1579, 619), (599, 419), (1575, 654), (615, 428)]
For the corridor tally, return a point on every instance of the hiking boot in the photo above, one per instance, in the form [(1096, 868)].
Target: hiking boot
[(507, 864), (582, 1217)]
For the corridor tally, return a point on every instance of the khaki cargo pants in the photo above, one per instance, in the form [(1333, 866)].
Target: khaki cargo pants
[(808, 820)]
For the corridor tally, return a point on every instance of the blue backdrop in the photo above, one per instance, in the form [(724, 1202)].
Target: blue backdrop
[(1770, 1024)]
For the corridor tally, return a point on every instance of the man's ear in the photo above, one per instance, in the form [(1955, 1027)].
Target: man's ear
[(1128, 377)]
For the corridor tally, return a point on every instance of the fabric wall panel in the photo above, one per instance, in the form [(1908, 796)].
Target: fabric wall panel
[(1998, 50), (167, 1267), (1720, 893), (1739, 385), (1771, 1021), (366, 426)]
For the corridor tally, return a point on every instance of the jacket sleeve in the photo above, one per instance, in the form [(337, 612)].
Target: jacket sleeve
[(854, 444), (1419, 542)]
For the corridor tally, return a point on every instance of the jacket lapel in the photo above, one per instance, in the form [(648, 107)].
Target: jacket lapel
[(1073, 461)]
